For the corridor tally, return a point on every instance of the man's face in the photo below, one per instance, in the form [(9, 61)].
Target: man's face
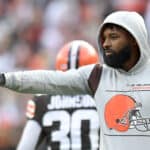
[(116, 46)]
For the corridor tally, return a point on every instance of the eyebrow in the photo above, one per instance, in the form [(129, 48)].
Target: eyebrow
[(113, 27), (113, 32)]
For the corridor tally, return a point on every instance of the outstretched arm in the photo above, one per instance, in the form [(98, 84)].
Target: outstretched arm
[(52, 82)]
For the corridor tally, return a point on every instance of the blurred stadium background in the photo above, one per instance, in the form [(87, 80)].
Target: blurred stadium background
[(32, 32)]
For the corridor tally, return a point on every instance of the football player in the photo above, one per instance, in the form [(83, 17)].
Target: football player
[(64, 122)]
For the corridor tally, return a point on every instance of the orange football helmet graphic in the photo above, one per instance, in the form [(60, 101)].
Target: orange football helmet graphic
[(115, 112), (76, 54), (122, 112)]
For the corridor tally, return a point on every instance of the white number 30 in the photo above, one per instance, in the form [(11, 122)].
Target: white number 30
[(74, 125)]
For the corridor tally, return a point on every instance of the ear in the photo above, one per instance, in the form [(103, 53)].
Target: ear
[(133, 41), (135, 44)]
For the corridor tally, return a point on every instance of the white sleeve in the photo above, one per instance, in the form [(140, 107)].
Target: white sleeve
[(50, 82), (30, 136)]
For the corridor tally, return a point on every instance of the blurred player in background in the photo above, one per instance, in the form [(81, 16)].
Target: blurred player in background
[(64, 122)]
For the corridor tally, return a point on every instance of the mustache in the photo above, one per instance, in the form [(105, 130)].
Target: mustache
[(108, 51)]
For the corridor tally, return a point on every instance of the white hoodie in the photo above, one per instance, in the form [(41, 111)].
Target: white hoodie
[(122, 98), (120, 94)]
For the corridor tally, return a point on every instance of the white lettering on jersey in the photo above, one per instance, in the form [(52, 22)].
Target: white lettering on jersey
[(58, 102)]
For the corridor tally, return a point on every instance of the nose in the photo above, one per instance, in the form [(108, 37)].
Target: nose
[(106, 44)]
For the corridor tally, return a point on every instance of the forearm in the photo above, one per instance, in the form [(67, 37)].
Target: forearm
[(2, 79), (30, 136), (28, 81)]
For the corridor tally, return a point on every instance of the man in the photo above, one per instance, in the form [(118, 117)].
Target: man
[(64, 122), (121, 86)]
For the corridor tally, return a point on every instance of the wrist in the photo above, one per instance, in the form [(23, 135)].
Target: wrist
[(2, 79)]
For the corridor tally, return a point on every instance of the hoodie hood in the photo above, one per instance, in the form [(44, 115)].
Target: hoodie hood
[(133, 23)]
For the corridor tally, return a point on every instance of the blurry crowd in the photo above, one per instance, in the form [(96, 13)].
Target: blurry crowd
[(32, 32)]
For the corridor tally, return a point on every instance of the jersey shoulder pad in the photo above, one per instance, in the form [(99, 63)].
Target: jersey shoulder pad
[(37, 106)]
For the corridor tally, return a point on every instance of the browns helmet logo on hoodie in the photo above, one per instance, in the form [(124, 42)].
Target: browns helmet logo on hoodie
[(122, 113)]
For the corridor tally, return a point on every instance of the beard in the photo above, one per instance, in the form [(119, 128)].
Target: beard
[(116, 60)]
